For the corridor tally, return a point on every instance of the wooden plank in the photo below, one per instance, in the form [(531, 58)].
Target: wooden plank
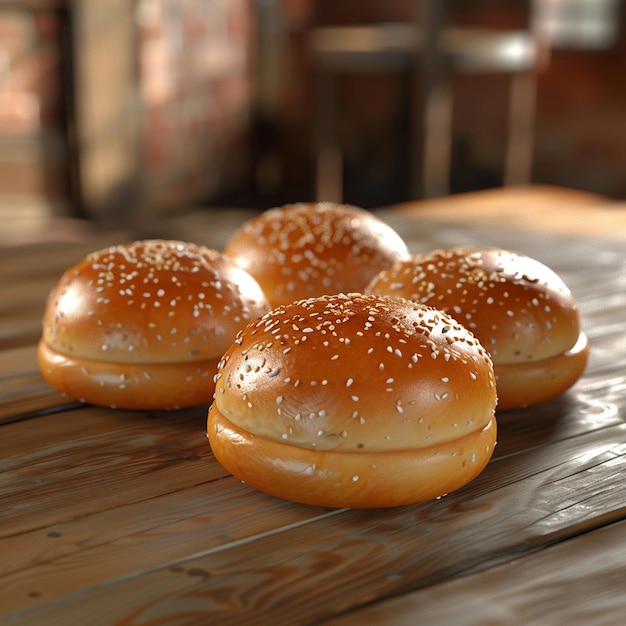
[(576, 582), (521, 502), (582, 410), (20, 360), (25, 293), (119, 542), (52, 259), (527, 208), (91, 459), (20, 328), (37, 399), (120, 480), (301, 574), (23, 391)]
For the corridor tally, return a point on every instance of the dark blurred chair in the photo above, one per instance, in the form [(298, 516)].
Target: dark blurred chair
[(432, 53)]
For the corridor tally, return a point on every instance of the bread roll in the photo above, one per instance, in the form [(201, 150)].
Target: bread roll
[(143, 325), (304, 250), (519, 309), (354, 401)]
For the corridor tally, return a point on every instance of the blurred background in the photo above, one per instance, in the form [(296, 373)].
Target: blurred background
[(118, 110)]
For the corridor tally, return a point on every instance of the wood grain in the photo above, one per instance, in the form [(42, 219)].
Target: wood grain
[(302, 573), (23, 391), (50, 259), (101, 458), (578, 582), (527, 209), (121, 517), (132, 539)]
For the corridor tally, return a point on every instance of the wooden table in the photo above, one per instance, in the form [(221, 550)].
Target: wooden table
[(120, 517)]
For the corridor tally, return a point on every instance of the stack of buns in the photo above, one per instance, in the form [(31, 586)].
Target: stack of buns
[(342, 370)]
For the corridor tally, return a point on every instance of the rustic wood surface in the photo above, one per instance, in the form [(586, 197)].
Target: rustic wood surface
[(121, 517)]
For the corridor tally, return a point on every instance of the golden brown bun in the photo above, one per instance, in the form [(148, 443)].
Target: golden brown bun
[(354, 480), (143, 325), (304, 250), (354, 401), (518, 308), (525, 384)]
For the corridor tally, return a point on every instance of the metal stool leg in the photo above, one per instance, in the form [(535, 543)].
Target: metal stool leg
[(520, 145), (329, 159)]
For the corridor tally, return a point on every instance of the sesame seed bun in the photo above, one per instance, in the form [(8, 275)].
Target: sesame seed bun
[(143, 325), (354, 401), (305, 250), (519, 309)]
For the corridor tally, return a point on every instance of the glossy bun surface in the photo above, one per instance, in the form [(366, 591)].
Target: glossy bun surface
[(333, 391), (143, 325), (519, 309), (305, 250)]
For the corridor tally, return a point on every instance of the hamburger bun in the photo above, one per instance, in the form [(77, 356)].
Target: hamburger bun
[(519, 309), (143, 325), (305, 250), (354, 401)]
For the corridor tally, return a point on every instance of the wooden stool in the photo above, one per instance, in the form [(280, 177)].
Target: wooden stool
[(432, 54)]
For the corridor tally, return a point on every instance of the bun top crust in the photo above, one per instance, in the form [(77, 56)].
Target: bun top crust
[(518, 308), (356, 373), (304, 250), (153, 301)]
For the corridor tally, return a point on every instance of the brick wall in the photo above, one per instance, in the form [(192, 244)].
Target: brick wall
[(33, 149), (146, 107), (195, 73)]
